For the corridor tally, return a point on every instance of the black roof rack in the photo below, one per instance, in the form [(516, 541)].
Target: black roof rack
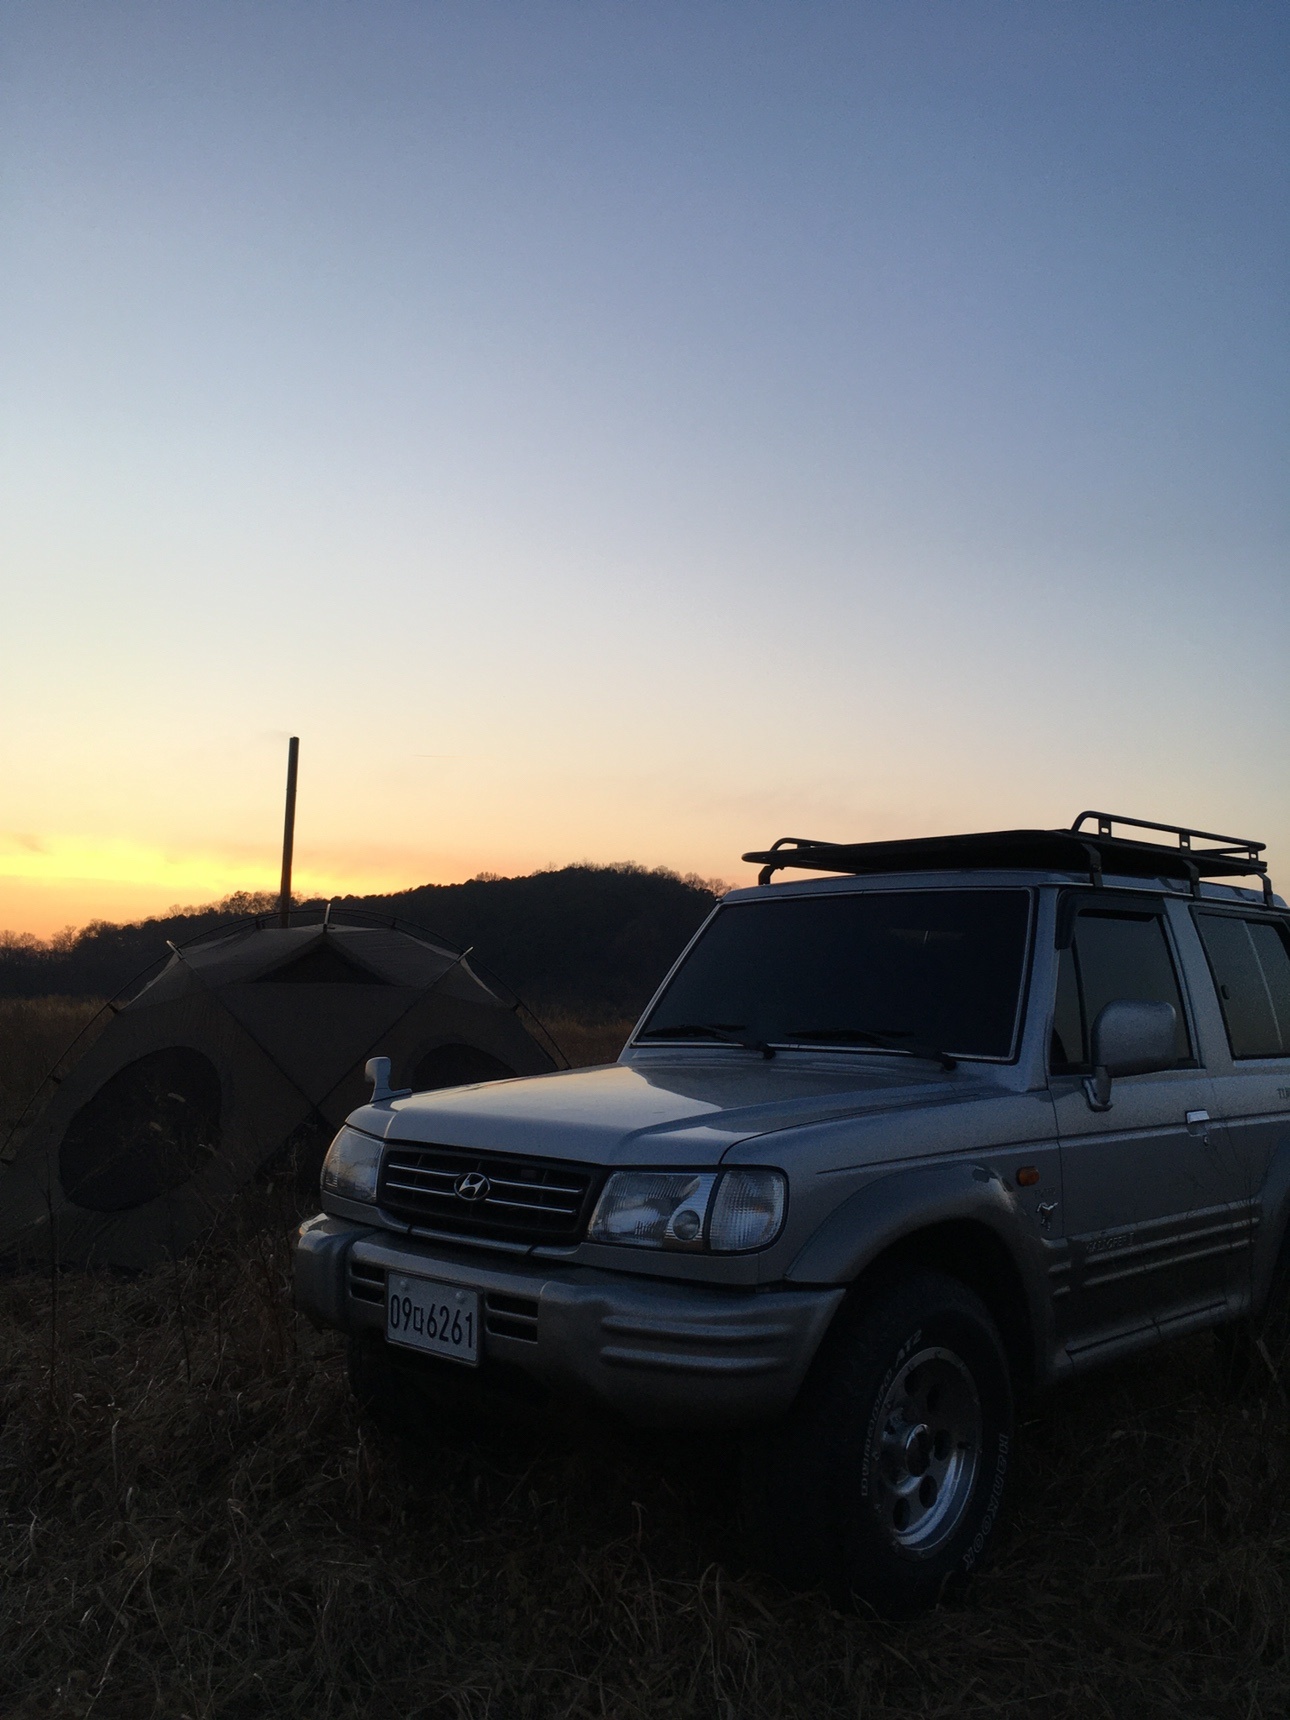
[(1074, 850)]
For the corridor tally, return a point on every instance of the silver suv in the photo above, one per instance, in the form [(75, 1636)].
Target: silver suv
[(888, 1150)]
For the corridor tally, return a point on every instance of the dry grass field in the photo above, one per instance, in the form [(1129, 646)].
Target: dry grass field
[(194, 1521), (585, 1042)]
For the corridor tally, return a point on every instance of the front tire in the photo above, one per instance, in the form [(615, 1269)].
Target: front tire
[(885, 1482)]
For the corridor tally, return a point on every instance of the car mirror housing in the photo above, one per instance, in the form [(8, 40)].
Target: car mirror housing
[(1130, 1037)]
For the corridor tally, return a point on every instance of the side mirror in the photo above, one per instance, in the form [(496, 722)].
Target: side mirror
[(1130, 1037), (377, 1070)]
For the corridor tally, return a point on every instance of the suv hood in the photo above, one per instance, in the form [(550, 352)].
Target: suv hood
[(687, 1109)]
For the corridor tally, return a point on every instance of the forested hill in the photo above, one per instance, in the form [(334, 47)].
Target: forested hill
[(594, 940)]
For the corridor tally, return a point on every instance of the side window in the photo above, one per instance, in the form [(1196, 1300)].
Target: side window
[(1111, 956), (1274, 958), (1251, 967), (1067, 1051)]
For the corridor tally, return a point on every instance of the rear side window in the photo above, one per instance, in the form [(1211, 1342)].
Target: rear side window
[(1251, 966), (1111, 956)]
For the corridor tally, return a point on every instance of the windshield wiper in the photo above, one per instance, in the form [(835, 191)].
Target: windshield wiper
[(883, 1039), (708, 1030)]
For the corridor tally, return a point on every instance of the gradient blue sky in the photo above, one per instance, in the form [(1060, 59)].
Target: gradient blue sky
[(631, 431)]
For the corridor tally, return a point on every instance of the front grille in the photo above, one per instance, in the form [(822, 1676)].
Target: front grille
[(527, 1200)]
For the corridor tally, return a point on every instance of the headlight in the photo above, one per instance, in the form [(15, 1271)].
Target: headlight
[(677, 1209), (351, 1167), (658, 1209)]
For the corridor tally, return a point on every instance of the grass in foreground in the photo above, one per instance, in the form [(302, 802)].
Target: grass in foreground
[(196, 1522)]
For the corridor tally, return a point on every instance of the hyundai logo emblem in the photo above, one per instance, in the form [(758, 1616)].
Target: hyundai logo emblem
[(472, 1185)]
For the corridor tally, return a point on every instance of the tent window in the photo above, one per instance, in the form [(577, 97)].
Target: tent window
[(148, 1129), (456, 1066), (322, 964)]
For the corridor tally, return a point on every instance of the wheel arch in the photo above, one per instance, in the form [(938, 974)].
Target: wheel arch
[(973, 1253), (959, 1219)]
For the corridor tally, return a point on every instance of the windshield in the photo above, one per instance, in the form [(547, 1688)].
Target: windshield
[(916, 970)]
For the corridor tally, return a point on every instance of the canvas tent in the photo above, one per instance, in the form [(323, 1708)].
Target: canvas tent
[(249, 1044)]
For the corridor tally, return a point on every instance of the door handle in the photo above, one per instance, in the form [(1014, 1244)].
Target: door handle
[(1198, 1124)]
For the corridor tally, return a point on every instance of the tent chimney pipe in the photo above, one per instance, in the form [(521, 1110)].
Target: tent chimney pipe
[(288, 832)]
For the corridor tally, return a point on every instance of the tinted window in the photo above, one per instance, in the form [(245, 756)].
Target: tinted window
[(1270, 945), (937, 967), (1251, 968), (1068, 1018), (1113, 956)]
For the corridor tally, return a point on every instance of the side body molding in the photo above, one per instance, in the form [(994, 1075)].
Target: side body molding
[(897, 1206)]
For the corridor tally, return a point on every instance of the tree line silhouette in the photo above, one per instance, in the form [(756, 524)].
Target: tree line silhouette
[(592, 941)]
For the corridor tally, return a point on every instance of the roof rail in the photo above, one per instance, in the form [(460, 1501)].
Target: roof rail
[(1074, 849), (1233, 847)]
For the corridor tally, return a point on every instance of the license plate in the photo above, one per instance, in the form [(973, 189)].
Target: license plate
[(439, 1319)]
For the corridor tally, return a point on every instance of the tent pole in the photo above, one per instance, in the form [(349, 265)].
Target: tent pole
[(288, 832)]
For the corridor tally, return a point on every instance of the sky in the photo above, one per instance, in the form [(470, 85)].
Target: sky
[(610, 431)]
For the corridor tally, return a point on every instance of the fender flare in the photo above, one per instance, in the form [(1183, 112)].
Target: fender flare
[(899, 1205)]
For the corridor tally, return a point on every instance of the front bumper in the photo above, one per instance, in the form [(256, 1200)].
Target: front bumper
[(657, 1351)]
